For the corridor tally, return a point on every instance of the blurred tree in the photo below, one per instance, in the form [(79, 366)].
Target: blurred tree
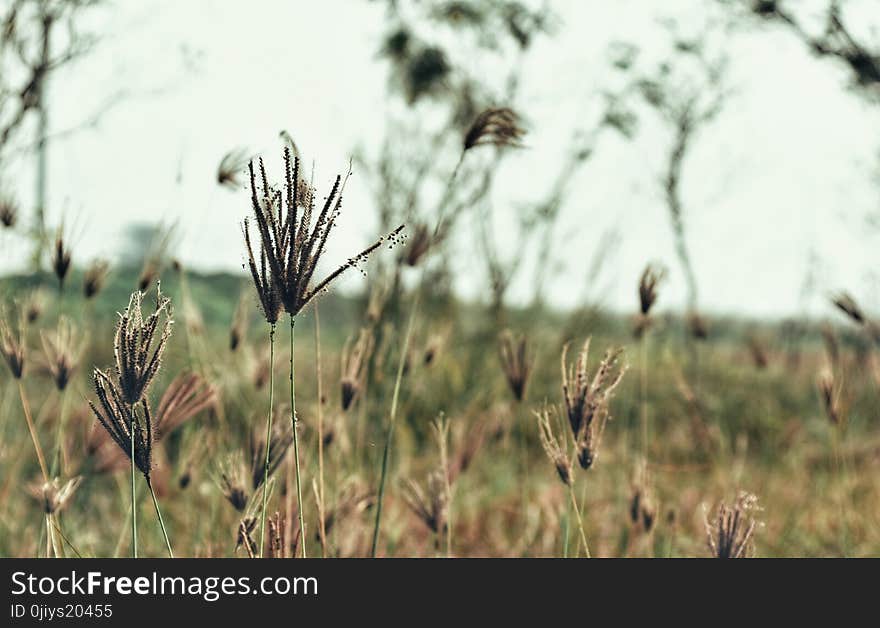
[(37, 39), (835, 29), (687, 90)]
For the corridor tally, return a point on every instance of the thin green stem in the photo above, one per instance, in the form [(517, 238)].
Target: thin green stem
[(161, 522), (321, 523), (58, 463), (580, 520), (30, 424), (269, 414), (134, 529), (389, 434), (299, 500), (644, 392)]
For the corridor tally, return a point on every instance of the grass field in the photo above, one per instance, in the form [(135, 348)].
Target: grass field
[(738, 411)]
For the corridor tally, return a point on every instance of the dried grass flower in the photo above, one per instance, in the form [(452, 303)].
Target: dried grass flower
[(553, 446), (231, 477), (831, 393), (63, 351), (94, 278), (231, 167), (497, 126), (731, 532), (187, 395), (354, 358), (428, 504), (848, 305), (12, 343), (517, 362), (61, 258), (54, 496), (587, 399), (293, 240), (8, 213)]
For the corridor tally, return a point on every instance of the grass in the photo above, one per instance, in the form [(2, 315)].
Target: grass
[(760, 430)]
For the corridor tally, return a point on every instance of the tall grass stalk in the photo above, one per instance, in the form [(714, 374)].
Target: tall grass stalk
[(299, 500), (161, 521), (580, 520), (134, 530), (269, 414), (392, 420), (321, 523), (30, 423)]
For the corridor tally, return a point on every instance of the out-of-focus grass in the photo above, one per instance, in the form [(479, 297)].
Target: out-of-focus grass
[(742, 427)]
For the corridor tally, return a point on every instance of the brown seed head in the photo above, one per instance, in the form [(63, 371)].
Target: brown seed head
[(231, 479), (238, 330), (231, 167), (516, 362), (848, 305), (94, 278), (418, 245), (587, 400), (61, 258), (293, 240), (35, 305), (648, 282), (547, 417), (697, 325), (187, 395), (731, 534), (63, 351), (8, 213), (830, 393), (54, 496), (137, 347), (355, 357), (124, 422), (12, 344), (496, 126), (428, 504)]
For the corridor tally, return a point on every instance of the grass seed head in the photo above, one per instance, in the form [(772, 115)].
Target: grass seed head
[(94, 278), (355, 356), (731, 533), (516, 362), (293, 236), (8, 213), (54, 496), (587, 399), (497, 126), (12, 343), (63, 351)]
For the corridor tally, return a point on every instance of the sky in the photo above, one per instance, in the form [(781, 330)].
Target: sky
[(779, 185)]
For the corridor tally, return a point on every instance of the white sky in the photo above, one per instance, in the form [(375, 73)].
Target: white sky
[(787, 168)]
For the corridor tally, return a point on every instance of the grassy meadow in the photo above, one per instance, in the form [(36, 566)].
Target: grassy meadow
[(740, 409)]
